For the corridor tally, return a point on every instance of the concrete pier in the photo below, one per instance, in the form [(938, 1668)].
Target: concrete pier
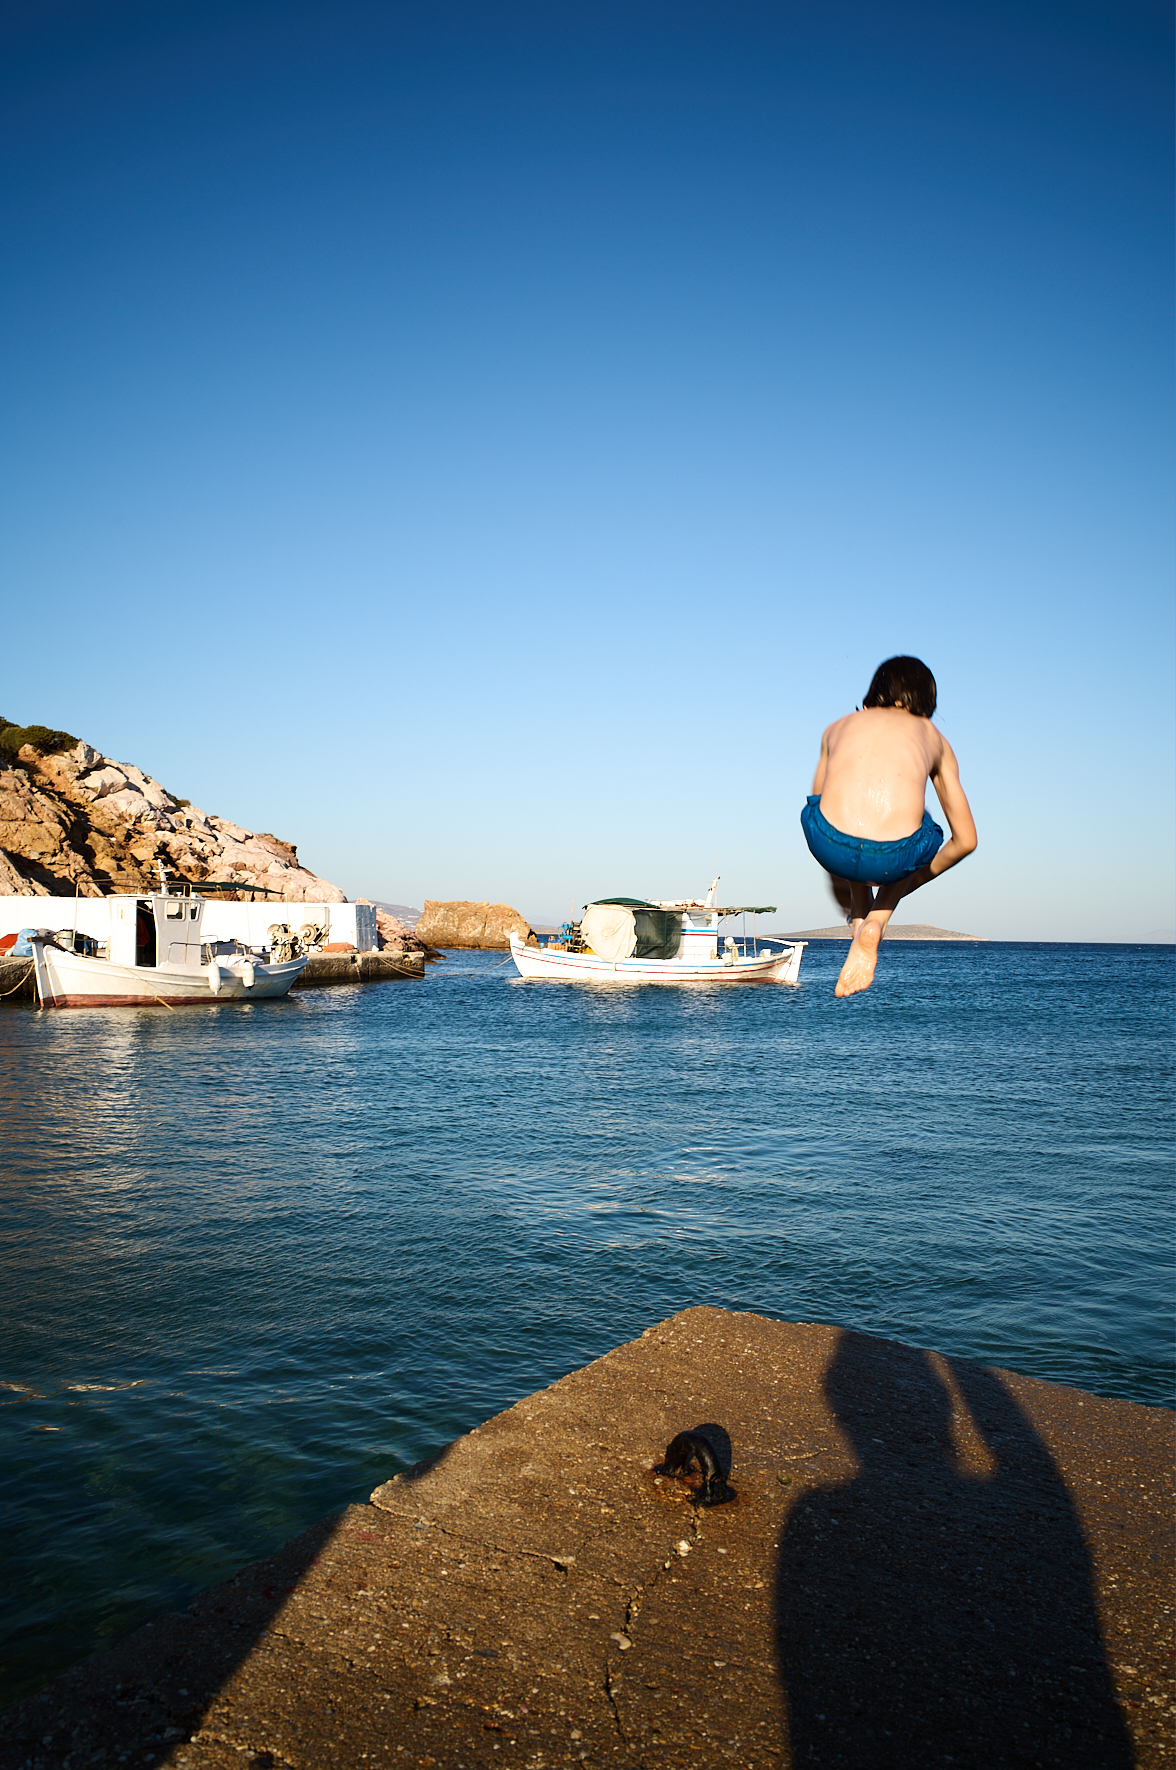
[(17, 984), (324, 968), (927, 1563)]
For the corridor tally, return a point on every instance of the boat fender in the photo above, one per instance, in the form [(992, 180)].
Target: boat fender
[(248, 974), (214, 977), (689, 1450)]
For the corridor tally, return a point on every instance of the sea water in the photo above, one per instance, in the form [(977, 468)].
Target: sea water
[(258, 1258)]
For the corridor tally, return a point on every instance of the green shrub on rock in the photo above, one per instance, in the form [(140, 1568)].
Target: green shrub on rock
[(41, 737)]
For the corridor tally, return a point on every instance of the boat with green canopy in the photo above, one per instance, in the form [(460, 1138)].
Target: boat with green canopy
[(662, 940)]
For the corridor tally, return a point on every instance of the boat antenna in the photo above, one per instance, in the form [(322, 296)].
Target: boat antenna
[(162, 877)]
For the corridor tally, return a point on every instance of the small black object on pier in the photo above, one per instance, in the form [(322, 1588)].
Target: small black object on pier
[(708, 1450)]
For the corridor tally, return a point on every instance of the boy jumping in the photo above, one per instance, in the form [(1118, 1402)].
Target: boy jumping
[(866, 821)]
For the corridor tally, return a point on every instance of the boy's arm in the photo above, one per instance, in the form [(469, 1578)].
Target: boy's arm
[(945, 778)]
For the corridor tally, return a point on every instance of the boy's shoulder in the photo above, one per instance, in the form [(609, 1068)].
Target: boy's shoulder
[(844, 720), (883, 727)]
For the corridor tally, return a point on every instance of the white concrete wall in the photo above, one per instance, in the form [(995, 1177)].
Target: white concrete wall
[(247, 922), (93, 914)]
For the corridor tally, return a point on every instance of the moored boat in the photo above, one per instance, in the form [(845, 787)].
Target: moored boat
[(678, 940), (156, 955)]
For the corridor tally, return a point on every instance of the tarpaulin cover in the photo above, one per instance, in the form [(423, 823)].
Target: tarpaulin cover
[(609, 930), (654, 933)]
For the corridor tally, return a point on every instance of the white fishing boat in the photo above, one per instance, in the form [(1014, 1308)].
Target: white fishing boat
[(640, 940), (155, 954)]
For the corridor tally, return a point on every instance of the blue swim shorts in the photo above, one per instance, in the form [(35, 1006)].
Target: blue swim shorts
[(869, 863)]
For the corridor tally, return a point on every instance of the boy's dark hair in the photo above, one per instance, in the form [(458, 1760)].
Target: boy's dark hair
[(903, 682)]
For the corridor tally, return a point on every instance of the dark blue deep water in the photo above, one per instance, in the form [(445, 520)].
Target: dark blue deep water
[(256, 1259)]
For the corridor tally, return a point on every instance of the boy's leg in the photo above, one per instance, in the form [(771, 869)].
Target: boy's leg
[(857, 973), (853, 900), (861, 902)]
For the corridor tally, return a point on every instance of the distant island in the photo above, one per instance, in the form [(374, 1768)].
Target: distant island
[(894, 931), (405, 914)]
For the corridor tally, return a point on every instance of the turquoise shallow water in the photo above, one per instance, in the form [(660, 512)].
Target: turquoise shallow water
[(257, 1259)]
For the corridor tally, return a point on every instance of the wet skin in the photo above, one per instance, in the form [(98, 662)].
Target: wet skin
[(872, 780)]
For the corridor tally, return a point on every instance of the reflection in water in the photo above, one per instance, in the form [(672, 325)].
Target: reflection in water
[(930, 1615)]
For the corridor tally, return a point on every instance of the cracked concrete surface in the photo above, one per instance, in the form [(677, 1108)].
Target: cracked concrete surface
[(927, 1563)]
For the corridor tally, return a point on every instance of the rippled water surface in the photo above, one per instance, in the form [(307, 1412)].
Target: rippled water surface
[(256, 1259)]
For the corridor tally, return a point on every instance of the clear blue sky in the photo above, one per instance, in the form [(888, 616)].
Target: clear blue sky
[(487, 443)]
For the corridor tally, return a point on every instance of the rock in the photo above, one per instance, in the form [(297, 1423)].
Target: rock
[(101, 781), (11, 882), (391, 932), (392, 929), (128, 800), (393, 937), (461, 923)]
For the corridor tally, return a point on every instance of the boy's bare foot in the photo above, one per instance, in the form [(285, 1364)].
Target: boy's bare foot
[(857, 973)]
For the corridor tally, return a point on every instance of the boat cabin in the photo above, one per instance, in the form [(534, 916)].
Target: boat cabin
[(163, 929)]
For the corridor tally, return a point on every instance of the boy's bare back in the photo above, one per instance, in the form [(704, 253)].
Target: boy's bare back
[(873, 772)]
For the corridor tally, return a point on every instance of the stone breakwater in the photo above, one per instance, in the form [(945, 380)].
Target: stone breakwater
[(464, 924), (77, 821), (927, 1561)]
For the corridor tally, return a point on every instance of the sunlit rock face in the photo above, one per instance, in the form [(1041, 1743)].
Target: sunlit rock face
[(78, 821), (472, 924)]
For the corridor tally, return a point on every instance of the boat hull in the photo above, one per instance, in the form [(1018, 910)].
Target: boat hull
[(537, 962), (67, 980)]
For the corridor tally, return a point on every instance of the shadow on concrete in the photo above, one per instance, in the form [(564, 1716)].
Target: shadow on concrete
[(152, 1689), (939, 1607)]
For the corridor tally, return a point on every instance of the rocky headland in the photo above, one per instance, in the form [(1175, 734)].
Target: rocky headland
[(74, 820)]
